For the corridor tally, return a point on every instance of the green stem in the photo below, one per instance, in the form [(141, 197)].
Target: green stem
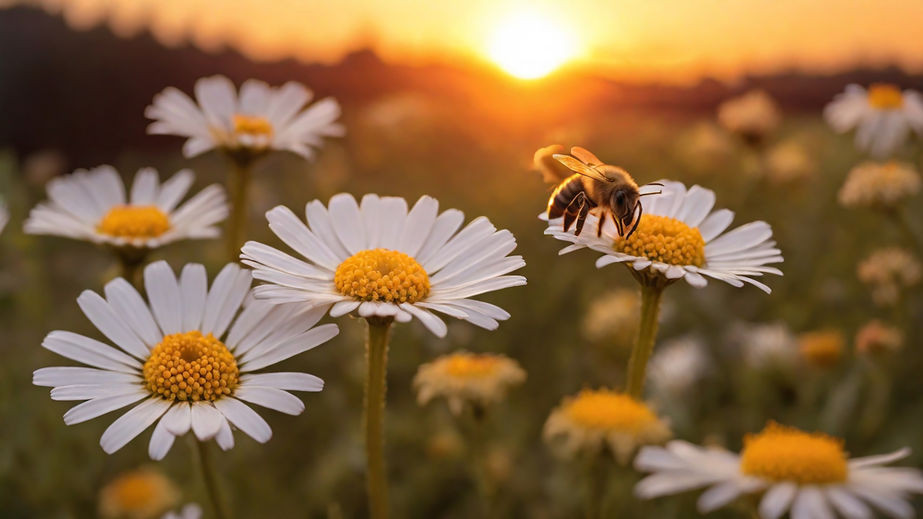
[(595, 481), (238, 185), (211, 482), (376, 356), (130, 263), (478, 461), (647, 334)]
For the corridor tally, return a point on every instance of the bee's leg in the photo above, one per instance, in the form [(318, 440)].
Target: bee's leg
[(599, 224), (581, 218), (617, 222), (574, 208), (637, 220)]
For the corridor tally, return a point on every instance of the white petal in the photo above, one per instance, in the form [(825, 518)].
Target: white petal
[(777, 499), (164, 294), (284, 380), (146, 187), (69, 375), (108, 322), (347, 222), (225, 438), (245, 419), (173, 190), (343, 307), (178, 420), (206, 420), (100, 406), (131, 309), (224, 298), (90, 352), (718, 496), (293, 346), (847, 504), (193, 284), (881, 459), (161, 441), (132, 423), (270, 397), (418, 225), (433, 323)]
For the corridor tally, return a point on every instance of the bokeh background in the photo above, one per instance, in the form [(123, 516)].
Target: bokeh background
[(428, 111)]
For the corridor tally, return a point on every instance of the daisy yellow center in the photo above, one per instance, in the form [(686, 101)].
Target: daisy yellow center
[(252, 125), (822, 348), (884, 96), (664, 239), (471, 366), (382, 275), (191, 366), (137, 491), (134, 221), (607, 410), (781, 453)]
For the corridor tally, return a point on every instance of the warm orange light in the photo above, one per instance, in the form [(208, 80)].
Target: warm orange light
[(530, 46)]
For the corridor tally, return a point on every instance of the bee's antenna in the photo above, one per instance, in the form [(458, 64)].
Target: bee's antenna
[(646, 194)]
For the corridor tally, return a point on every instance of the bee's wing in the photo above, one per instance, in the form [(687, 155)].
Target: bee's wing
[(586, 156), (553, 172), (612, 172), (579, 167)]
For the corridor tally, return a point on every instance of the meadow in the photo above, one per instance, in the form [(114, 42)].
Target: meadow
[(439, 465)]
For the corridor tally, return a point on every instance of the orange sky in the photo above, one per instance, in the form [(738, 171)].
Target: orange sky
[(662, 39)]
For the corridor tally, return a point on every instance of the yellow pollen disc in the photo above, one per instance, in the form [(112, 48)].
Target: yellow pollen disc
[(134, 221), (664, 239), (781, 453), (471, 366), (884, 96), (252, 125), (191, 366), (607, 410), (382, 275), (139, 493)]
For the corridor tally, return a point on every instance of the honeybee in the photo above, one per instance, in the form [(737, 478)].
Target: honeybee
[(593, 185)]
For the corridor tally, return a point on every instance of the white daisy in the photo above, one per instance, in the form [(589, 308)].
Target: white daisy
[(678, 365), (808, 474), (259, 119), (679, 236), (380, 259), (181, 330), (881, 115), (463, 377), (753, 116), (143, 493), (92, 205), (190, 511), (765, 345), (597, 419)]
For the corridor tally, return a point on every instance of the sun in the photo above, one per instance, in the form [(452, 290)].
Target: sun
[(529, 46)]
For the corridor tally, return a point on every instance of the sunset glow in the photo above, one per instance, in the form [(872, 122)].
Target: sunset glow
[(530, 46)]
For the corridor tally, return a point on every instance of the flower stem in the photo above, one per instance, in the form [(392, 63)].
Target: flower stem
[(130, 263), (376, 356), (211, 481), (238, 185), (595, 473), (647, 334)]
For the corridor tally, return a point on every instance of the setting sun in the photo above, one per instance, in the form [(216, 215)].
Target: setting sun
[(529, 46)]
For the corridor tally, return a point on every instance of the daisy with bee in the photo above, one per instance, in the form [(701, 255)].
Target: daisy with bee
[(586, 184)]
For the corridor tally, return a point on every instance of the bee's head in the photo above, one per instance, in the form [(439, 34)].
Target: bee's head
[(623, 204)]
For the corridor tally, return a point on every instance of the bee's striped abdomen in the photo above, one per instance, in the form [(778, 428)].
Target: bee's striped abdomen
[(563, 194)]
